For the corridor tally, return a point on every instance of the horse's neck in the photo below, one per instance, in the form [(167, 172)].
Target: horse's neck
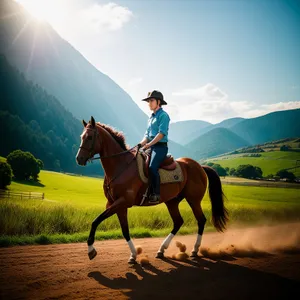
[(110, 147)]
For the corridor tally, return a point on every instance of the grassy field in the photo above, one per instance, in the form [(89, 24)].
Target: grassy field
[(270, 162), (72, 202)]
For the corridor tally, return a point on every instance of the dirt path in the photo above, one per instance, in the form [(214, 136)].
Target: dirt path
[(257, 263)]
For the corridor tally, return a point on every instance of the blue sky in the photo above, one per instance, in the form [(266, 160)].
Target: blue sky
[(212, 60)]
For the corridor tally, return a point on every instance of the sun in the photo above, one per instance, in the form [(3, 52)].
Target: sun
[(42, 10)]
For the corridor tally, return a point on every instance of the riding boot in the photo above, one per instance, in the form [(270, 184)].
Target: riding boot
[(155, 184)]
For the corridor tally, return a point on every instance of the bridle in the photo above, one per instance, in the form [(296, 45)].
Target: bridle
[(91, 150)]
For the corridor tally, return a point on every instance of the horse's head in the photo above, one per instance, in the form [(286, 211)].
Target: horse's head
[(89, 142)]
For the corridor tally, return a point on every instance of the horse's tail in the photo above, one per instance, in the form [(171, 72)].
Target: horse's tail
[(219, 212)]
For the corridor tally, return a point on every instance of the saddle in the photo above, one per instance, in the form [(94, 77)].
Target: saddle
[(167, 164)]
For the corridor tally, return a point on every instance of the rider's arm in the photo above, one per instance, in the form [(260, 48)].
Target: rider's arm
[(157, 138), (144, 141)]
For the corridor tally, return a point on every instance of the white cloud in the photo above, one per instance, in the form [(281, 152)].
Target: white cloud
[(107, 17), (282, 106), (210, 103), (208, 92)]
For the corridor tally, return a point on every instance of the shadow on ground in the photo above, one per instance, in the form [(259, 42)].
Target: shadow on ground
[(30, 182), (199, 279)]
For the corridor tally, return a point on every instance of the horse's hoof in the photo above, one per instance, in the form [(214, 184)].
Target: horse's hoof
[(194, 254), (132, 261), (92, 254), (159, 255)]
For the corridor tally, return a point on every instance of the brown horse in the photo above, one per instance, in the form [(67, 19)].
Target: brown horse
[(123, 187)]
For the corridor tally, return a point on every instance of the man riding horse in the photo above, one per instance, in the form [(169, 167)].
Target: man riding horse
[(156, 139)]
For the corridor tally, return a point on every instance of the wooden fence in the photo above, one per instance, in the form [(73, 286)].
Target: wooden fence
[(21, 195)]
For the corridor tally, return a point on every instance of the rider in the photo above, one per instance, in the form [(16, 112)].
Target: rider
[(156, 138)]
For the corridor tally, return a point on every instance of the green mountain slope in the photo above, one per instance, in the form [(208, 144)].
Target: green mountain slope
[(179, 131), (225, 124), (50, 61), (215, 142), (273, 126), (32, 120)]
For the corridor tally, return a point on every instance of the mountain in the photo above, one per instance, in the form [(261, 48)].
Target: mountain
[(178, 150), (273, 126), (34, 121), (225, 124), (51, 62), (215, 142), (178, 131)]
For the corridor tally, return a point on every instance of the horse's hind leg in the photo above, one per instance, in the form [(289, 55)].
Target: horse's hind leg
[(199, 215), (172, 206)]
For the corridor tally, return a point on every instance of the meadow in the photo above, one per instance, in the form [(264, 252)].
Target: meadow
[(72, 202), (270, 162)]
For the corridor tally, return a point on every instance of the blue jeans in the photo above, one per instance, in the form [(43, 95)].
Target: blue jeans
[(158, 154)]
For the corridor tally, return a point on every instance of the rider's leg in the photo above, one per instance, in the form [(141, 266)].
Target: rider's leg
[(158, 155)]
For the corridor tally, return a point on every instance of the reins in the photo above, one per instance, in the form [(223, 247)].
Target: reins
[(110, 156)]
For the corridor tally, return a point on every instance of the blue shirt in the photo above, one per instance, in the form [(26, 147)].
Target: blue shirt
[(158, 123)]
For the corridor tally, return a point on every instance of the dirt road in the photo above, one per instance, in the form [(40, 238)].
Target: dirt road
[(255, 263)]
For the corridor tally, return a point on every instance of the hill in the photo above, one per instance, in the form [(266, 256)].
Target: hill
[(200, 131), (215, 142), (50, 61), (179, 131), (270, 161), (273, 126), (32, 120)]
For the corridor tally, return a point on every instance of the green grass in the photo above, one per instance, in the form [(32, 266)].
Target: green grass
[(269, 162), (73, 202)]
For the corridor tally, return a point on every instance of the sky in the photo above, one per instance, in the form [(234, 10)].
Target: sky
[(212, 60)]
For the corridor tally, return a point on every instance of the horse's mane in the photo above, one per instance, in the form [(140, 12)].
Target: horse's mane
[(118, 136)]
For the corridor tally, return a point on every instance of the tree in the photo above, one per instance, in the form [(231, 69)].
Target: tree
[(24, 165), (5, 175), (219, 169), (285, 148), (232, 172), (40, 163), (286, 174), (258, 172), (248, 171)]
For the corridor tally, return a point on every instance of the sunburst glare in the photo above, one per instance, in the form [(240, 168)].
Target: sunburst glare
[(51, 11)]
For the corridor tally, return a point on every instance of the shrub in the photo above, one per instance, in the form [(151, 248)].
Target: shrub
[(286, 174), (24, 165), (5, 175), (248, 171)]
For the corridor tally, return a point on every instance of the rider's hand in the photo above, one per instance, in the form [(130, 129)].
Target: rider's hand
[(146, 147)]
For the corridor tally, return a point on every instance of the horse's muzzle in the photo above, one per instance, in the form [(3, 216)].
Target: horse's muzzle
[(81, 160)]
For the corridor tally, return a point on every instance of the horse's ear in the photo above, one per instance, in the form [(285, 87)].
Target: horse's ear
[(93, 121), (84, 123)]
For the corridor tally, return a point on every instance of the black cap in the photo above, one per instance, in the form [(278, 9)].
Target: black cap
[(157, 95)]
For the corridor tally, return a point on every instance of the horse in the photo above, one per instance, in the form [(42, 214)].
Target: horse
[(123, 187)]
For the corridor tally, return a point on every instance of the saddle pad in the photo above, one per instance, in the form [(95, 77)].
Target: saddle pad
[(166, 176)]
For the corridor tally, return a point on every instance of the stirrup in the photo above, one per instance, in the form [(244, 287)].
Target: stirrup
[(145, 196), (154, 199)]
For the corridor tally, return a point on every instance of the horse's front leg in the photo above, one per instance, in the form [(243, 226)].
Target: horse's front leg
[(120, 203), (122, 215)]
